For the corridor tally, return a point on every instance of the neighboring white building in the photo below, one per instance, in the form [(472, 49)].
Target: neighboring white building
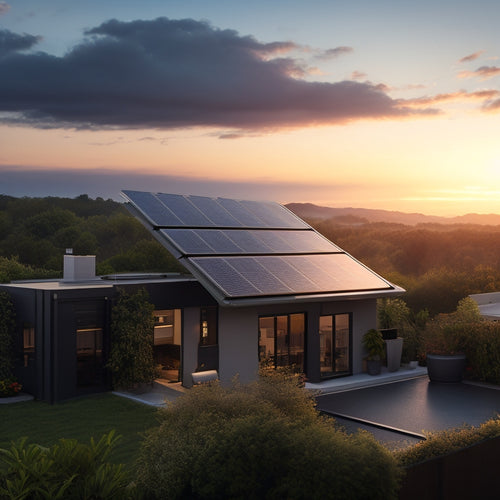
[(489, 304)]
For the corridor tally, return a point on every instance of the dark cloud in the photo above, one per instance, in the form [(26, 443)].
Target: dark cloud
[(179, 73), (471, 57), (336, 52), (12, 42)]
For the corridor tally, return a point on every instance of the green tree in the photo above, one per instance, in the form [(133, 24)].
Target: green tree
[(7, 331), (132, 324)]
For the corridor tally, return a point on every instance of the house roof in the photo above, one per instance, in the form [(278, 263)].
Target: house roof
[(246, 252), (489, 304)]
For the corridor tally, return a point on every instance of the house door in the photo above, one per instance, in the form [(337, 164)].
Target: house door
[(335, 345), (167, 343), (90, 370)]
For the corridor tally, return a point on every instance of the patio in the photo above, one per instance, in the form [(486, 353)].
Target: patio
[(398, 412)]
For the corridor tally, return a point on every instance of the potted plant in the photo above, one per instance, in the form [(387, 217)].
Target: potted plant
[(373, 343), (443, 353)]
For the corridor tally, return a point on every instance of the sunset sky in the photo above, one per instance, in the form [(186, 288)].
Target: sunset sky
[(387, 104)]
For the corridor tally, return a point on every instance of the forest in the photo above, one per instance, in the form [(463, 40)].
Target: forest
[(437, 264), (35, 233)]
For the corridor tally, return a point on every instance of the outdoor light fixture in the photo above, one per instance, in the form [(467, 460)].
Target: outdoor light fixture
[(204, 329)]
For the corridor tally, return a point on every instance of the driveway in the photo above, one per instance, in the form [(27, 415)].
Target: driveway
[(400, 411)]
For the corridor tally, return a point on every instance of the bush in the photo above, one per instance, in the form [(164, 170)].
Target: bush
[(264, 440), (444, 442), (7, 331), (9, 387), (66, 470), (132, 329)]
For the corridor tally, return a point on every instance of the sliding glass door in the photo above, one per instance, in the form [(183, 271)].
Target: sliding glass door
[(281, 340), (335, 344)]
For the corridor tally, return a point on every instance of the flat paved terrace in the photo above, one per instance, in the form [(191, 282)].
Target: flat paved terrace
[(398, 412)]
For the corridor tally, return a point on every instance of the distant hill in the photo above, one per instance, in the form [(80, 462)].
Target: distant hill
[(355, 216)]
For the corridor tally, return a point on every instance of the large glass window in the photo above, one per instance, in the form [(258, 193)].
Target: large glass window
[(335, 344), (281, 340)]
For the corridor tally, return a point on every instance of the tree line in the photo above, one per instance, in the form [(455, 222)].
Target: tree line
[(35, 233), (437, 264)]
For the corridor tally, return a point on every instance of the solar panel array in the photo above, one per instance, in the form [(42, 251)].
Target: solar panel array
[(248, 249)]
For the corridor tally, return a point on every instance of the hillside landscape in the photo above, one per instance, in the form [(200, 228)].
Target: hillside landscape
[(351, 216), (437, 260)]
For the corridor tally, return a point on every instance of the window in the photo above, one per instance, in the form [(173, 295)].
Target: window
[(28, 343), (281, 340), (164, 327), (335, 344), (208, 326)]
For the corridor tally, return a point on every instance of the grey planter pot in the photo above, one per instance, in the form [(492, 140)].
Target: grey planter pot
[(373, 366), (445, 368), (394, 350)]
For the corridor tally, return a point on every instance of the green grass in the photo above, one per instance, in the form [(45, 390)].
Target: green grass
[(81, 419)]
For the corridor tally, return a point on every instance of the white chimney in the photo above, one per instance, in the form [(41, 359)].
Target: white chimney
[(79, 267)]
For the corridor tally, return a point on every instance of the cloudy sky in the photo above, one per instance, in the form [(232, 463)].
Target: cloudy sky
[(387, 104)]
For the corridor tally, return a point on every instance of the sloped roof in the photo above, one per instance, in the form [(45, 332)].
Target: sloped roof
[(246, 252)]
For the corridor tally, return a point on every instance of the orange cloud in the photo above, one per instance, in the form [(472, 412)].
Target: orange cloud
[(460, 95), (484, 72), (471, 57)]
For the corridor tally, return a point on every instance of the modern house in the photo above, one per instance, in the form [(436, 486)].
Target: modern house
[(262, 284)]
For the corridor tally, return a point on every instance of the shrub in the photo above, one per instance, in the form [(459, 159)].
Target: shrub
[(68, 469), (444, 442), (264, 440), (7, 330), (373, 343), (9, 387), (132, 326)]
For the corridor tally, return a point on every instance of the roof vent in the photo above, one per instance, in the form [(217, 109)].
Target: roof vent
[(79, 267)]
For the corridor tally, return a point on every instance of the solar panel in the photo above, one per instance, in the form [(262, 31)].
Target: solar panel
[(226, 277), (220, 241), (273, 214), (238, 241), (241, 249), (152, 208), (240, 213), (187, 241), (293, 275), (184, 210), (214, 211)]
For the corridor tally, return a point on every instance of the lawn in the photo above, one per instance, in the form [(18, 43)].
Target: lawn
[(81, 419)]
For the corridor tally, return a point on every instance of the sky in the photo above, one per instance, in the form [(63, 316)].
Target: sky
[(390, 105)]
